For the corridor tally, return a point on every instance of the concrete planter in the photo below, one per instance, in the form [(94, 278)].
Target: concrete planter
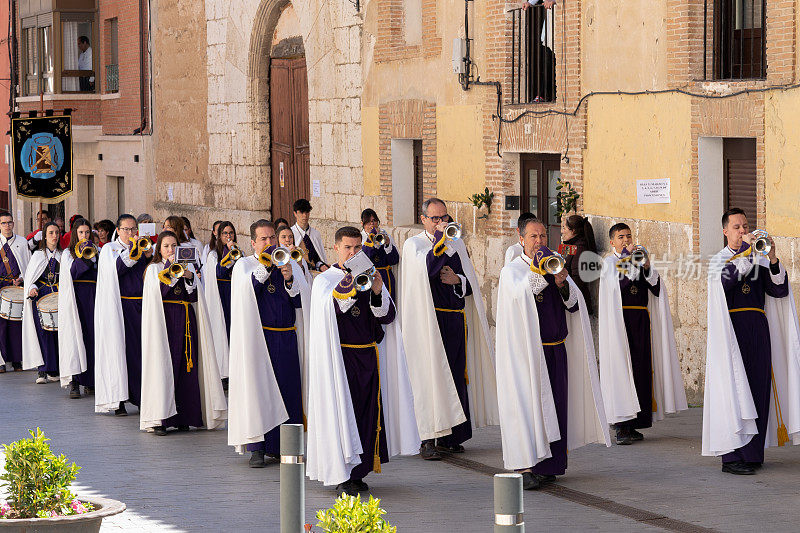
[(79, 523)]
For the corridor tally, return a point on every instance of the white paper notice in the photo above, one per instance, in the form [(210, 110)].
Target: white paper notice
[(653, 191), (170, 193), (315, 188)]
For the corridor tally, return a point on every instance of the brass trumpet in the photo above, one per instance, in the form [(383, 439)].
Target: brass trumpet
[(762, 244), (281, 256), (637, 258), (140, 246), (553, 264), (235, 253), (452, 231), (381, 239), (363, 282), (265, 259), (176, 270), (85, 249)]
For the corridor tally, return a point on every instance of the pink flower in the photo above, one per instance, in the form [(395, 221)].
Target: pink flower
[(78, 507), (4, 508)]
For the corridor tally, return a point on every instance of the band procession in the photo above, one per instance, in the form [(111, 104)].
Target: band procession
[(381, 351)]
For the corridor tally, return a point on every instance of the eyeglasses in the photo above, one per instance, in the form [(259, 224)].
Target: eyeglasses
[(228, 233), (436, 220), (127, 229)]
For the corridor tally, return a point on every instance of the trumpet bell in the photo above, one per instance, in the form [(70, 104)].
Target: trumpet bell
[(235, 253), (553, 264), (85, 249), (297, 255), (144, 244), (363, 282), (639, 256), (176, 270), (453, 231), (381, 239), (281, 256), (762, 244), (265, 259)]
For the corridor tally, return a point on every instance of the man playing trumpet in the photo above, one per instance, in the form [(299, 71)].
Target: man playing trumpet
[(545, 357), (639, 370), (752, 361)]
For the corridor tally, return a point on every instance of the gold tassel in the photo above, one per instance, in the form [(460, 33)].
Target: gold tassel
[(783, 435), (376, 464)]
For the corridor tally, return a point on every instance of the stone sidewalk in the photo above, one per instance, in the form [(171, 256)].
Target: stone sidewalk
[(194, 481)]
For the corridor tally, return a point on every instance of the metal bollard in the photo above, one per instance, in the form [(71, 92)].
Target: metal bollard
[(293, 470), (508, 503)]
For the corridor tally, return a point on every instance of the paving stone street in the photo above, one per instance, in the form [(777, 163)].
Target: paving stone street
[(195, 482)]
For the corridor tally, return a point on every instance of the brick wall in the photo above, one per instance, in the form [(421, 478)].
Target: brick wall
[(391, 45)]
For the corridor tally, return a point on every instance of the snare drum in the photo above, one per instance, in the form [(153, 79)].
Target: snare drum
[(11, 302), (48, 311)]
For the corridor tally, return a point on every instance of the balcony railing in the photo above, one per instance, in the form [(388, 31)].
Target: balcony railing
[(734, 39), (112, 78), (533, 60)]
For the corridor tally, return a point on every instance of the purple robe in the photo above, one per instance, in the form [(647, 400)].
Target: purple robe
[(314, 260), (84, 281), (224, 286), (448, 300), (752, 335), (183, 340), (358, 326), (10, 330), (384, 262), (277, 312), (48, 340), (637, 328), (131, 284), (553, 331)]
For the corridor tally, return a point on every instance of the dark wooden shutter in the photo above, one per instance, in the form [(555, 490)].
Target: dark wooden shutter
[(740, 176)]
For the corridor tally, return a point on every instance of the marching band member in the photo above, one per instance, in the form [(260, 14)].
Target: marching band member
[(446, 337), (14, 258), (39, 346), (118, 315), (77, 284), (307, 237), (752, 398), (515, 250), (360, 406), (178, 360), (545, 359), (286, 239), (267, 344), (639, 370), (383, 256)]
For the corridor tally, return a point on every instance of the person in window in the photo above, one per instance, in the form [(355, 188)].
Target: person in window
[(85, 63), (543, 79)]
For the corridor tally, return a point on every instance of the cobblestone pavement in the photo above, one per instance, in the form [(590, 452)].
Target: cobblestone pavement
[(194, 481)]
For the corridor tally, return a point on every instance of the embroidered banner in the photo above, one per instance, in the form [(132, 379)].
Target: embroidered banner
[(42, 162)]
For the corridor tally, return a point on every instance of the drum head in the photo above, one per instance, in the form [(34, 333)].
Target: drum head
[(48, 303), (12, 294)]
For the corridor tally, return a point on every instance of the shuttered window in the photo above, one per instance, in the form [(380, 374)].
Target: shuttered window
[(740, 177)]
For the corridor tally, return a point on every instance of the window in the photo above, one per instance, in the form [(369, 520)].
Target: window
[(112, 66), (740, 177), (405, 192), (533, 60), (538, 179), (77, 63), (738, 41), (419, 187), (120, 195), (37, 49)]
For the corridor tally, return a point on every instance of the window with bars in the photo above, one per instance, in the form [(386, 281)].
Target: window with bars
[(37, 59), (735, 39), (533, 59)]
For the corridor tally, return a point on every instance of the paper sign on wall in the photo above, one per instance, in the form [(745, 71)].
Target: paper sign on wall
[(653, 191), (315, 189), (170, 193), (281, 173)]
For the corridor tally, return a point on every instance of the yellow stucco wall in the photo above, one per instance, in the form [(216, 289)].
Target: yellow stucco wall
[(370, 151), (460, 159), (638, 137), (781, 161)]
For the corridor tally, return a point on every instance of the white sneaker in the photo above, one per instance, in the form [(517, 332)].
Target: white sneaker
[(41, 380), (53, 379)]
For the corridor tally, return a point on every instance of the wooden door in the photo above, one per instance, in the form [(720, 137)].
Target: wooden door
[(539, 175), (289, 150)]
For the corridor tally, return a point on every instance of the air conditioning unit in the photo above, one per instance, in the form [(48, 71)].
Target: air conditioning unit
[(459, 53)]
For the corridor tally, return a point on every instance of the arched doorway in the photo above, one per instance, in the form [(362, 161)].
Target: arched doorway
[(288, 105)]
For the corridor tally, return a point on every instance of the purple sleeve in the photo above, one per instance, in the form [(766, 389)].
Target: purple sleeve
[(79, 268), (224, 272), (435, 263), (393, 257), (390, 316), (164, 288), (655, 289), (730, 277), (772, 288)]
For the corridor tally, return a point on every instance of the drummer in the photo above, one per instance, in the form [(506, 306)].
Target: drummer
[(40, 345), (14, 257)]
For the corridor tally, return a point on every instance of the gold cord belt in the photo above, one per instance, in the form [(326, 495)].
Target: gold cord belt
[(290, 328), (131, 297), (740, 309), (188, 334), (562, 341)]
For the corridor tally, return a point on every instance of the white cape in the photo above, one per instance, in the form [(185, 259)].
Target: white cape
[(512, 252), (616, 372), (71, 350), (436, 401), (334, 445), (19, 247), (31, 350), (528, 420), (158, 384), (215, 312), (729, 413), (255, 402), (316, 240), (110, 365)]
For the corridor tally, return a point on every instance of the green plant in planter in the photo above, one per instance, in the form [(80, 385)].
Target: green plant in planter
[(350, 515), (566, 198), (480, 199), (37, 481)]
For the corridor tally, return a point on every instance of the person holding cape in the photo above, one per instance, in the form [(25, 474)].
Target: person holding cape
[(118, 319), (40, 346), (270, 310), (14, 258), (217, 286), (639, 369), (752, 381), (545, 358), (77, 284), (181, 386)]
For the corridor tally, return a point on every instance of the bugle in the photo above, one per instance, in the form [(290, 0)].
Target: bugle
[(363, 281), (762, 243), (452, 231), (85, 249), (552, 264), (381, 239)]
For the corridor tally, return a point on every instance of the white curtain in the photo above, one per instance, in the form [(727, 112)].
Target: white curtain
[(69, 54)]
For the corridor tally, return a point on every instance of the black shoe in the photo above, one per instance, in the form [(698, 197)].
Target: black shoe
[(121, 411), (624, 436), (257, 459), (428, 451), (225, 384), (75, 391), (755, 466), (549, 478), (530, 481), (183, 428), (740, 468), (347, 488), (360, 485), (636, 436), (160, 431), (450, 449)]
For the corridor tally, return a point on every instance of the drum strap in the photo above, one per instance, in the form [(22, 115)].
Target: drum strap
[(5, 260)]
